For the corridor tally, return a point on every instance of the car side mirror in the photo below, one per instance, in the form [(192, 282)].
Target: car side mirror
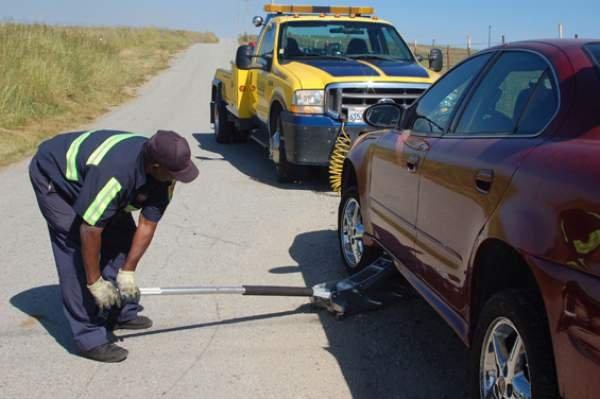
[(384, 115), (436, 60), (420, 58), (243, 57)]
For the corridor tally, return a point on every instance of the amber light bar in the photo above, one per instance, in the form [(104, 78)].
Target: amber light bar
[(291, 9)]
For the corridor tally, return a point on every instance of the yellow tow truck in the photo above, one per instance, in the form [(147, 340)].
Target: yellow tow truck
[(312, 69)]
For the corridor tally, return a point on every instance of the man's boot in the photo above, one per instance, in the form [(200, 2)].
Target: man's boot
[(139, 323), (107, 353)]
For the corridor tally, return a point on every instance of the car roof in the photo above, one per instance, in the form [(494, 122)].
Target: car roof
[(560, 51)]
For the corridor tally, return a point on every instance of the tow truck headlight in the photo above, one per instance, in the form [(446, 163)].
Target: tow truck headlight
[(308, 101)]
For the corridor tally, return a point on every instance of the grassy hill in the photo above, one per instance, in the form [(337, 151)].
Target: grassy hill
[(57, 78)]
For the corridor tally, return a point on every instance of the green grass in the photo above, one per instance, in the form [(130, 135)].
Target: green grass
[(57, 78)]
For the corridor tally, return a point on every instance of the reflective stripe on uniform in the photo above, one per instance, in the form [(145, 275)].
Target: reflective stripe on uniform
[(102, 200), (105, 147), (71, 172), (131, 208)]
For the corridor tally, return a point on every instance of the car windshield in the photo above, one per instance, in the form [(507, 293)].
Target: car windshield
[(342, 39)]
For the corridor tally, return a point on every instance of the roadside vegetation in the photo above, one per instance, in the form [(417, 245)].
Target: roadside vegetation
[(247, 38), (58, 78), (452, 55)]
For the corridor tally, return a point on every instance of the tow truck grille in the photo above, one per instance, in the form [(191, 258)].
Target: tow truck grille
[(344, 97)]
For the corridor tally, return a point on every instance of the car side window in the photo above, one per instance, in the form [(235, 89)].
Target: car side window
[(434, 110), (516, 96), (593, 50)]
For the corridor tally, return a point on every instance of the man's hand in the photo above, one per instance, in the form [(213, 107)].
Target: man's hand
[(127, 287), (105, 294)]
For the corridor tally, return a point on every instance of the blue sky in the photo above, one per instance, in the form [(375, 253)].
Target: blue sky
[(448, 21)]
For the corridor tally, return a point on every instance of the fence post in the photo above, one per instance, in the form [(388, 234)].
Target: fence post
[(560, 31), (469, 45), (415, 47)]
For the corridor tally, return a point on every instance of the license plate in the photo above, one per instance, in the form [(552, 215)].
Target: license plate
[(355, 114)]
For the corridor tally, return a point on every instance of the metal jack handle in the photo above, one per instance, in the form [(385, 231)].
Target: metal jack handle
[(256, 290)]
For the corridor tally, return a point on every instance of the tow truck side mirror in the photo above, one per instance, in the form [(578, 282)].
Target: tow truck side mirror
[(243, 57), (436, 59), (258, 21)]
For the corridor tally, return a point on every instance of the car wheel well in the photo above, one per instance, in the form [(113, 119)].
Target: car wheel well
[(349, 178), (498, 267)]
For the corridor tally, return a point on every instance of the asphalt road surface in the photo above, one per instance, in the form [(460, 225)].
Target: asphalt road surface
[(233, 225)]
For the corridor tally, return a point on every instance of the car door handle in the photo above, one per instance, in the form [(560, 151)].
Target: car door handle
[(483, 180), (412, 162)]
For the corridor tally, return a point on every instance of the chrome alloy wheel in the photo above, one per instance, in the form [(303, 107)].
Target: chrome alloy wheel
[(503, 367), (352, 233)]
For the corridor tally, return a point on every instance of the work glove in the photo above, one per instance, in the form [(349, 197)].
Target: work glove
[(127, 287), (105, 294)]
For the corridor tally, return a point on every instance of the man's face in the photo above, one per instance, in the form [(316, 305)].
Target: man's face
[(160, 173)]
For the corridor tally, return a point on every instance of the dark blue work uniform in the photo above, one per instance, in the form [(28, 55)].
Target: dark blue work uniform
[(97, 177)]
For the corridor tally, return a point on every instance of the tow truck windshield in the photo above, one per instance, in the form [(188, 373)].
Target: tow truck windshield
[(343, 40)]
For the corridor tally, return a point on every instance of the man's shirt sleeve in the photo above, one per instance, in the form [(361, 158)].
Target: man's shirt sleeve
[(99, 198), (158, 201)]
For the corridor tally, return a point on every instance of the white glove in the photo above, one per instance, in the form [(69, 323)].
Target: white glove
[(127, 287), (105, 294)]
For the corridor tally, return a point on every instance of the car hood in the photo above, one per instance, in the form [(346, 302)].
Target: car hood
[(317, 73)]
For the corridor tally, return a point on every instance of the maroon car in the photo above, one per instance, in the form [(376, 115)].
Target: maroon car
[(486, 193)]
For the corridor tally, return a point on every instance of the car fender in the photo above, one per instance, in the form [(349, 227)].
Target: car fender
[(357, 162)]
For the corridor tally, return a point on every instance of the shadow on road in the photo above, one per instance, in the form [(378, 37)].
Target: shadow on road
[(403, 351), (251, 159), (44, 304), (301, 309)]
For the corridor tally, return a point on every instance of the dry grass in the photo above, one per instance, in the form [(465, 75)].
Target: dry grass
[(247, 38), (56, 78), (452, 55)]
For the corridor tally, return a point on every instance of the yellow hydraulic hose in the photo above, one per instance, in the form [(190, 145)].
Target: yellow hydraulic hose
[(341, 147)]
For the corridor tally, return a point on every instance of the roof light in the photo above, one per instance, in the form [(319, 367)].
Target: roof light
[(291, 9)]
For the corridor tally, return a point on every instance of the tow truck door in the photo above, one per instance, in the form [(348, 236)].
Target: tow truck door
[(264, 59)]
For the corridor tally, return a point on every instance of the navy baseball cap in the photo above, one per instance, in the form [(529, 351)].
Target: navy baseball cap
[(169, 149)]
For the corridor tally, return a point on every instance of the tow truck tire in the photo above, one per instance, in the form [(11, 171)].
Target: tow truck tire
[(286, 172), (224, 128)]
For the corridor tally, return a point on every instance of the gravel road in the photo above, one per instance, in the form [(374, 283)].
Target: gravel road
[(233, 225)]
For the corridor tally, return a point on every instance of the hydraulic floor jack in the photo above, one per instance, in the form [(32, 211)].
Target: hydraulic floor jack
[(369, 289)]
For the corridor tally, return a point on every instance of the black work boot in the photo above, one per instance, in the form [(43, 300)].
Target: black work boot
[(107, 353), (139, 323)]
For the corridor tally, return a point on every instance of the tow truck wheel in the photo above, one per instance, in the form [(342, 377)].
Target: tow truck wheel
[(355, 254), (286, 172), (224, 129)]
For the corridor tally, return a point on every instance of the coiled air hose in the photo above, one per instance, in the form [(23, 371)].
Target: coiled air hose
[(342, 145)]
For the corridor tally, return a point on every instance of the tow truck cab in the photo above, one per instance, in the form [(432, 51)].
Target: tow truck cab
[(312, 68)]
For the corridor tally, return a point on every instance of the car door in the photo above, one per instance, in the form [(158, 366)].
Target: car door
[(396, 158), (469, 169)]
